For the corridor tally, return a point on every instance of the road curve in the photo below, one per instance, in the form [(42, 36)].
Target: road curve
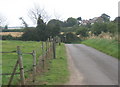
[(89, 66)]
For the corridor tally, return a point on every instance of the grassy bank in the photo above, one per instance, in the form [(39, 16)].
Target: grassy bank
[(9, 59), (58, 73), (109, 47)]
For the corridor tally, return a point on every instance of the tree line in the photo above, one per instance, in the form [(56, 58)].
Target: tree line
[(69, 30)]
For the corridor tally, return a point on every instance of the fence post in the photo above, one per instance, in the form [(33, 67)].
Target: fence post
[(43, 64), (46, 49), (34, 65), (14, 70), (59, 41), (21, 66), (54, 53)]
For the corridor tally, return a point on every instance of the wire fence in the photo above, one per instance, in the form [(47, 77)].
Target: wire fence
[(48, 52)]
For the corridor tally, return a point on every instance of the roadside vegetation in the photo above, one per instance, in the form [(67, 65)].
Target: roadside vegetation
[(58, 72), (109, 47)]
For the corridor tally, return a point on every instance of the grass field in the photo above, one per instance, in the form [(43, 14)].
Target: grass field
[(57, 74), (109, 47), (9, 60)]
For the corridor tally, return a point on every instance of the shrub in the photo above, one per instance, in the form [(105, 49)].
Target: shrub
[(9, 37)]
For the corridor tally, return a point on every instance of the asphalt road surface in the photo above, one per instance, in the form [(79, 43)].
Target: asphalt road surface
[(89, 66)]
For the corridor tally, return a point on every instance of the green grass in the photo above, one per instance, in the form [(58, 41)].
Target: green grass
[(58, 73), (109, 47), (9, 60)]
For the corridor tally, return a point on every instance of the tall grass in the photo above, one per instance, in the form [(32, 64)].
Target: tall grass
[(109, 47)]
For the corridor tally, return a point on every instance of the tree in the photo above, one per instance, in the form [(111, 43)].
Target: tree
[(24, 23), (71, 22), (35, 12), (70, 37), (41, 29), (2, 20), (6, 27), (117, 19), (30, 34), (98, 28), (53, 27), (105, 17), (82, 31), (79, 19)]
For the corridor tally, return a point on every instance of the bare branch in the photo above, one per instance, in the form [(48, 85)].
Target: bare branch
[(24, 23), (35, 12)]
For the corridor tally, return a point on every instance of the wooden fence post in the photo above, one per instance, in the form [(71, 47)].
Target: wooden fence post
[(34, 65), (46, 49), (21, 66), (54, 53), (43, 64), (59, 41)]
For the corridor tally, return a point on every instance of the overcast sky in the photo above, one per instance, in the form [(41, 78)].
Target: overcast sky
[(13, 9)]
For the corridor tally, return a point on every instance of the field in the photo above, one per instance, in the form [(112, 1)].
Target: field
[(14, 34), (109, 47), (58, 72), (9, 60)]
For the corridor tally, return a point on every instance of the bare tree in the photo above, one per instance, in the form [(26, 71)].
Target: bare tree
[(24, 23), (35, 12), (2, 20)]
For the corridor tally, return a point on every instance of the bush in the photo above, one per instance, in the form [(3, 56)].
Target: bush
[(9, 37), (30, 34), (82, 31), (70, 37)]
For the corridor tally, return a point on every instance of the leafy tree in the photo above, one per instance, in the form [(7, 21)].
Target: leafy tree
[(30, 34), (117, 19), (79, 18), (105, 17), (112, 27), (41, 29), (6, 27), (70, 37), (71, 22), (82, 31), (53, 27), (97, 28)]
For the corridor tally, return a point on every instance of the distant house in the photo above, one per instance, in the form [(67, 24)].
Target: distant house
[(96, 19), (85, 22), (92, 21)]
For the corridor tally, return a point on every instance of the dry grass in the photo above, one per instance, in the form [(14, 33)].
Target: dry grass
[(13, 34)]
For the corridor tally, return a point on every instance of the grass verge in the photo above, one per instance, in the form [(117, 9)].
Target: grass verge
[(58, 73), (109, 47)]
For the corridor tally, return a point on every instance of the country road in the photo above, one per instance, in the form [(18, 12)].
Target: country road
[(89, 66)]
